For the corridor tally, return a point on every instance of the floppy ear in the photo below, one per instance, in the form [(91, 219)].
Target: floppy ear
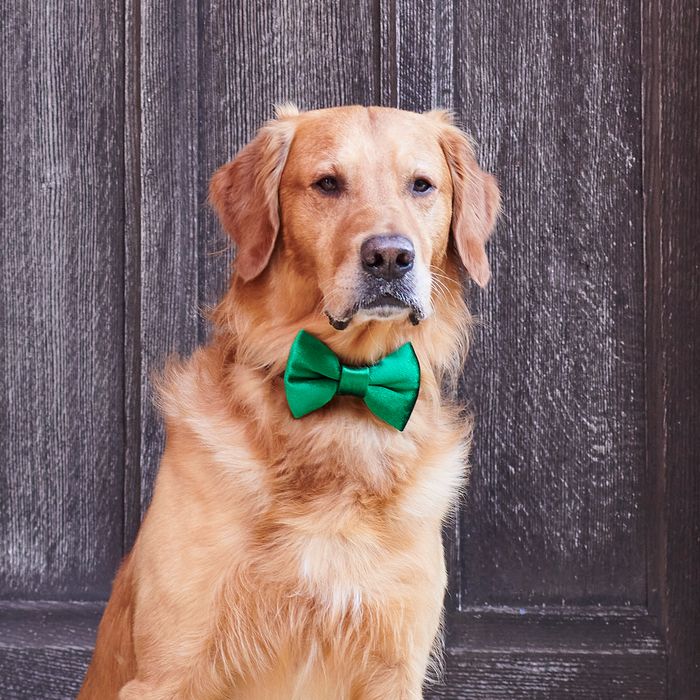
[(244, 193), (476, 200)]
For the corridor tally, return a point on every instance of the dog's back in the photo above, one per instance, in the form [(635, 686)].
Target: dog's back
[(113, 662)]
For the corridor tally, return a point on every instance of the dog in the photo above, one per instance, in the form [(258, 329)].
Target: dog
[(293, 552)]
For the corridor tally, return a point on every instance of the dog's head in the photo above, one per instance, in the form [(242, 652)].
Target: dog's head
[(365, 205)]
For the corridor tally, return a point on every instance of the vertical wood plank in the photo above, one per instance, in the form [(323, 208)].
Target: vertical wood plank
[(671, 55), (61, 201), (169, 302), (552, 94), (386, 50), (415, 48), (424, 54), (132, 272)]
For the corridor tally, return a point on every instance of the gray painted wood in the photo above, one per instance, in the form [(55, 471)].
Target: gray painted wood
[(561, 653), (42, 674), (132, 274), (493, 653), (671, 53), (45, 648), (61, 185), (555, 512), (169, 301), (423, 51)]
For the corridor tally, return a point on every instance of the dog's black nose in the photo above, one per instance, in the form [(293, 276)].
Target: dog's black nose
[(389, 257)]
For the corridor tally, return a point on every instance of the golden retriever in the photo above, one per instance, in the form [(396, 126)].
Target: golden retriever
[(287, 558)]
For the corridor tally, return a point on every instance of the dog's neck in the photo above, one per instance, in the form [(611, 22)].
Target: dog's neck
[(238, 386), (258, 320)]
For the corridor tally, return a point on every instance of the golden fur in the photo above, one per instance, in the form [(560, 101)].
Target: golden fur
[(286, 558)]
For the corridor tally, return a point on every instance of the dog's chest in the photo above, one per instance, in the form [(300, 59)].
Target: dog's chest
[(349, 553)]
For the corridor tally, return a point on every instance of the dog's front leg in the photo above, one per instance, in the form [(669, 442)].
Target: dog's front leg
[(195, 682), (405, 641), (399, 672), (382, 680), (142, 690)]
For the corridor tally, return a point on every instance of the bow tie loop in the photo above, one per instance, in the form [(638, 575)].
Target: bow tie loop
[(314, 375)]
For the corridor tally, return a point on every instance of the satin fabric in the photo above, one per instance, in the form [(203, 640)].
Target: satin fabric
[(314, 375)]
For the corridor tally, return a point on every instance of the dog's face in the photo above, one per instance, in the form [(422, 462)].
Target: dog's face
[(362, 201), (366, 201)]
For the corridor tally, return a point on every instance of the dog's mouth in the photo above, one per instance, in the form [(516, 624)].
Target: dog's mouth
[(387, 305)]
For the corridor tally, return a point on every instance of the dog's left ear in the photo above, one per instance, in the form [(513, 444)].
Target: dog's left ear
[(476, 199), (244, 193)]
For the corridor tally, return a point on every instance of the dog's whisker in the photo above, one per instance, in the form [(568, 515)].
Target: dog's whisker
[(220, 251), (442, 291)]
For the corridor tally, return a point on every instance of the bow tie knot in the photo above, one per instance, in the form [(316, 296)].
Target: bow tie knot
[(314, 375), (353, 381)]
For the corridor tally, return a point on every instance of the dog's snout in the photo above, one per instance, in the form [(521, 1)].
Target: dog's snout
[(387, 256)]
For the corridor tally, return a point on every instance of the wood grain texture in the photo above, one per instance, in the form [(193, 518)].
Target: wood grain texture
[(132, 273), (671, 56), (61, 201), (528, 653), (42, 673), (423, 54), (45, 648), (551, 92), (169, 301), (557, 654), (415, 50)]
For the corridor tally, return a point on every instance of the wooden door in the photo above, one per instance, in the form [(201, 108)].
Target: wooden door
[(575, 557)]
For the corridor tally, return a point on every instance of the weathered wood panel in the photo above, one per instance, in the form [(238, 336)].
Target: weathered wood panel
[(509, 654), (671, 55), (418, 53), (132, 273), (46, 673), (169, 300), (554, 654), (551, 92), (61, 313), (45, 648)]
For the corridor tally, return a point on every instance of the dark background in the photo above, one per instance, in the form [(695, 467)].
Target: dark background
[(575, 557)]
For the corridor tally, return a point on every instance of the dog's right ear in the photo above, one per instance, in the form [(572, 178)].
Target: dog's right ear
[(244, 193), (476, 199)]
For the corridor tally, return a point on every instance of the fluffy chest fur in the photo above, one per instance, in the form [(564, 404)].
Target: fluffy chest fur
[(344, 505), (314, 540)]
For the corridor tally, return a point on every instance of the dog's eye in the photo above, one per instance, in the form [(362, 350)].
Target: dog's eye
[(328, 184), (421, 185)]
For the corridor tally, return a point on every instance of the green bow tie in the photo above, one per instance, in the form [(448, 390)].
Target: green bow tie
[(314, 375)]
